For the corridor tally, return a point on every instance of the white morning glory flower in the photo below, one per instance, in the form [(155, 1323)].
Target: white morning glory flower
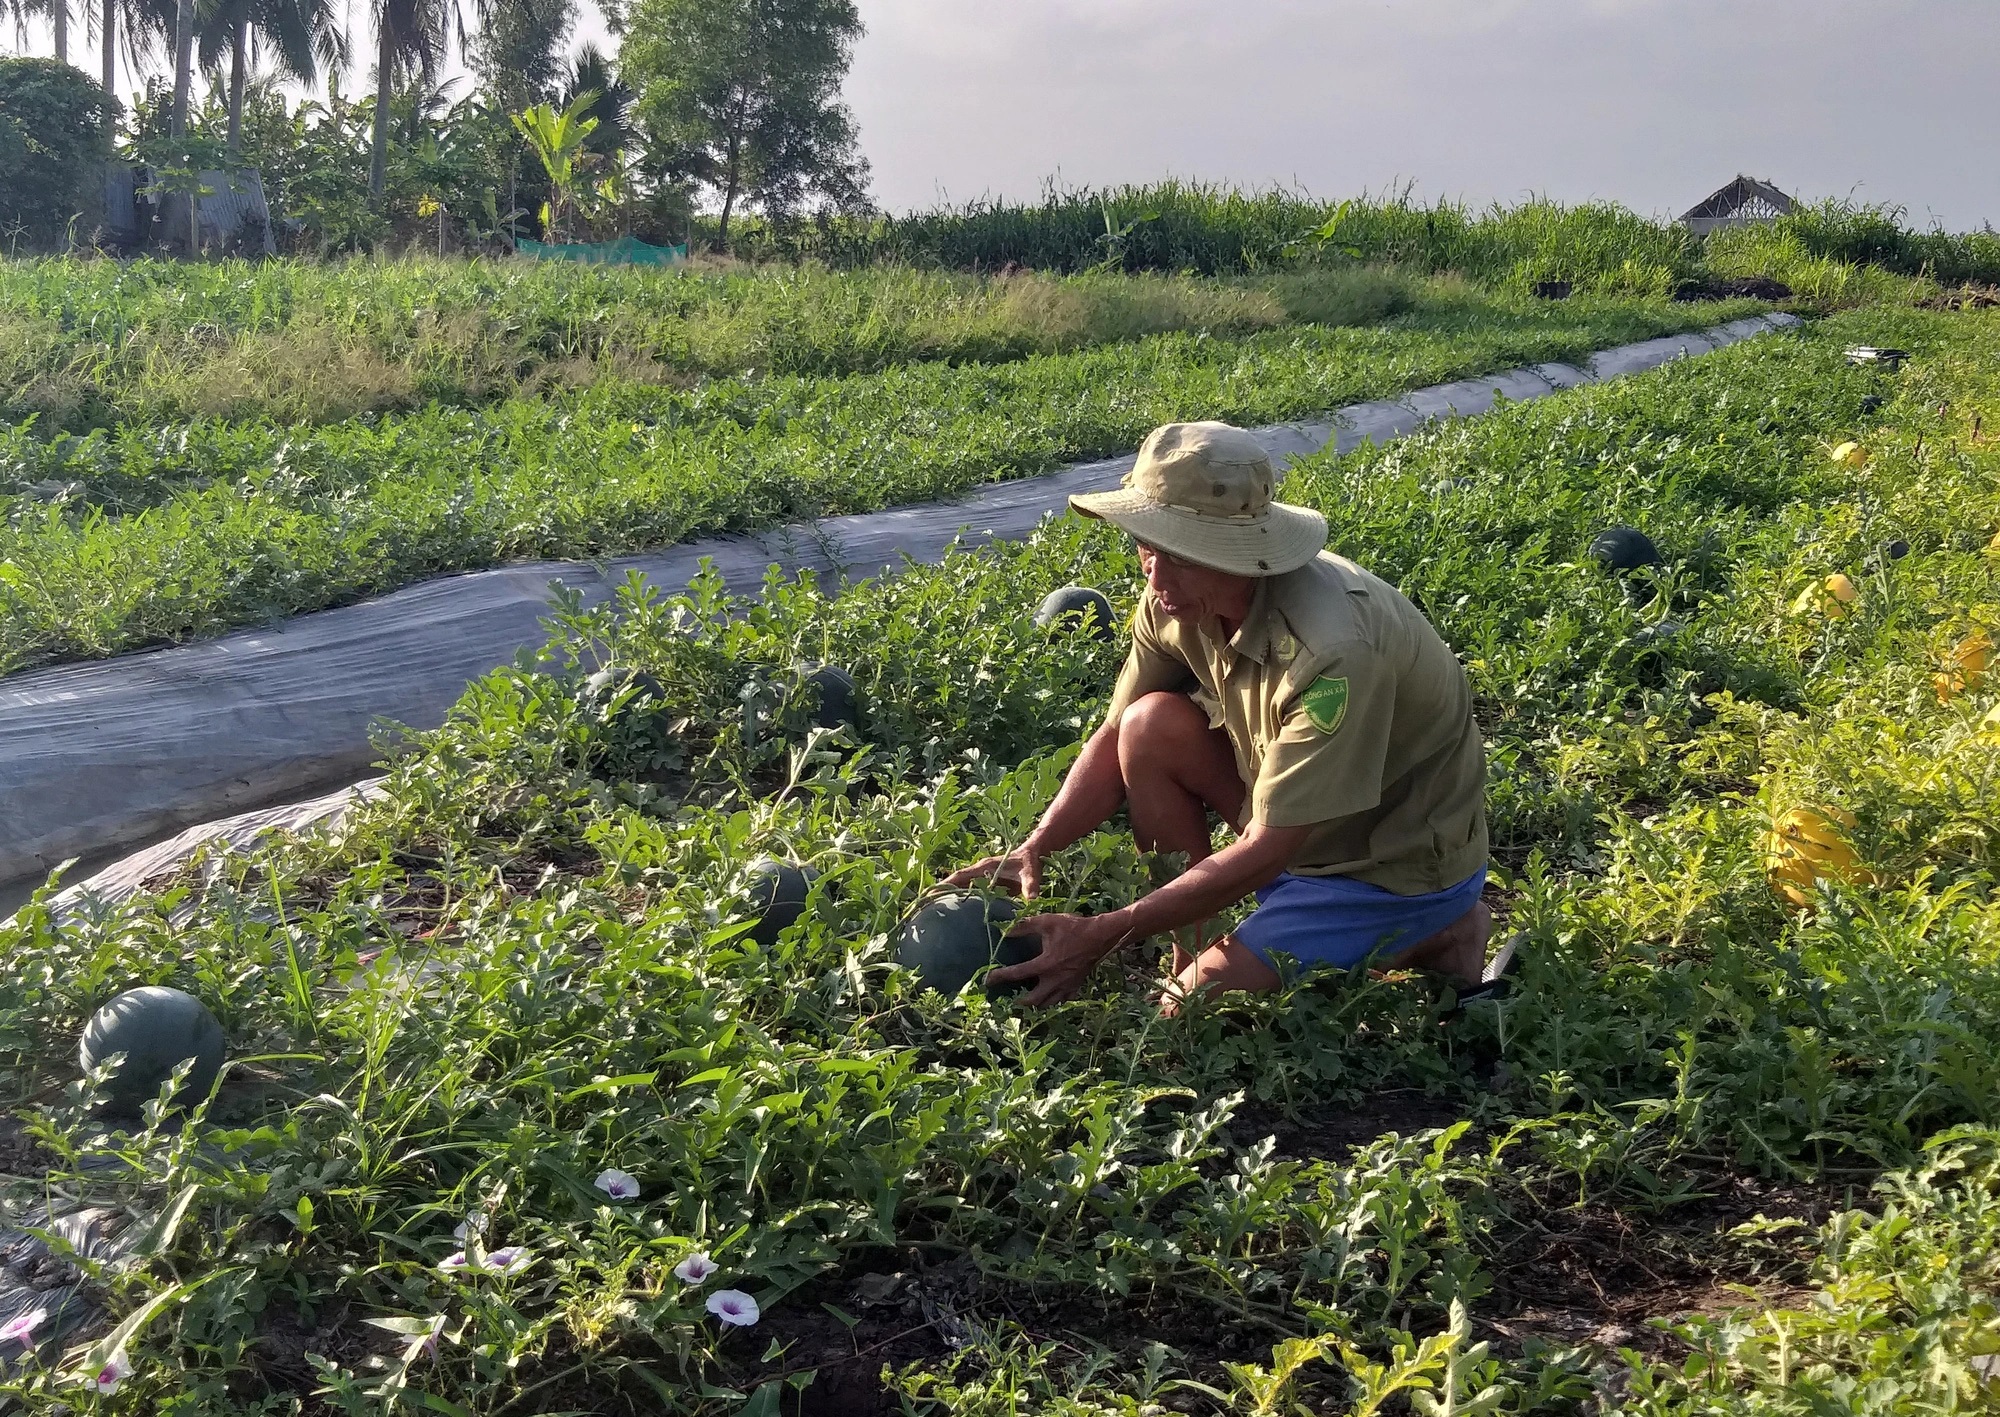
[(22, 1326), (733, 1308), (696, 1268), (455, 1260), (116, 1369), (473, 1224), (619, 1185), (504, 1260)]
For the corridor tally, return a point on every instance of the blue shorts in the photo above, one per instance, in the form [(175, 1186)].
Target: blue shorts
[(1339, 921)]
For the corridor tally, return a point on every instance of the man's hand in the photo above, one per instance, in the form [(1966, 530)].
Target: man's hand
[(1019, 872), (1071, 947)]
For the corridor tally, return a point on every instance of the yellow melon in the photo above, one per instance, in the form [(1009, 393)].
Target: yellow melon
[(1850, 454), (1965, 666), (1806, 845), (1989, 726)]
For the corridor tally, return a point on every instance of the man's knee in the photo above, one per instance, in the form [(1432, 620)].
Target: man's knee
[(1156, 722)]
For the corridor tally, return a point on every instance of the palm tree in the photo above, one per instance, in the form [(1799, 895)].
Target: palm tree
[(592, 72), (143, 25), (301, 37), (410, 37)]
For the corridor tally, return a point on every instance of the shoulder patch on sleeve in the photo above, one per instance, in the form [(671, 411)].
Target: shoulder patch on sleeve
[(1325, 701)]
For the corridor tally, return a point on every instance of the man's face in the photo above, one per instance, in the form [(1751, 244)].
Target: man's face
[(1194, 594)]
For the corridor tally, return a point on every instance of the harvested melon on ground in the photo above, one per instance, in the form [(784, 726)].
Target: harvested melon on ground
[(1807, 845), (1850, 454)]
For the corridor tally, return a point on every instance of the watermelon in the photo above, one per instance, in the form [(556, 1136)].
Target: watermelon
[(1624, 548), (777, 896), (952, 939), (633, 734), (1075, 608), (601, 688), (1896, 550), (155, 1028), (834, 699)]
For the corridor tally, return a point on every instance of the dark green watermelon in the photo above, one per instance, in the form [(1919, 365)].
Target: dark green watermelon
[(602, 688), (1074, 608), (833, 700), (951, 940), (777, 896), (631, 732), (1896, 550), (1624, 548), (155, 1028)]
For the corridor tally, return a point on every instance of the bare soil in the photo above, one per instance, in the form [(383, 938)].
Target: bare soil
[(1614, 1278)]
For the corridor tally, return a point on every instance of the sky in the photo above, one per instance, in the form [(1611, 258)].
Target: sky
[(1652, 103)]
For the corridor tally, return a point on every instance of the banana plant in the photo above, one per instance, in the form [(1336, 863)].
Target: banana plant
[(558, 140)]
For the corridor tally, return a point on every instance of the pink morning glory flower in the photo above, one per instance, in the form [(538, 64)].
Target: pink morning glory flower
[(696, 1268), (733, 1308), (619, 1185), (116, 1369), (22, 1326)]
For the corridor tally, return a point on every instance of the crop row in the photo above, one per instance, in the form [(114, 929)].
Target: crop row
[(119, 539), (528, 964), (96, 343)]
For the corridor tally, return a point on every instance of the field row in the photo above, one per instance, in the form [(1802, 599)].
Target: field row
[(529, 965), (116, 540), (88, 344)]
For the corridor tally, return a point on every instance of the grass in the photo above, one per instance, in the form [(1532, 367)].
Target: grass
[(528, 963), (143, 532), (1187, 226)]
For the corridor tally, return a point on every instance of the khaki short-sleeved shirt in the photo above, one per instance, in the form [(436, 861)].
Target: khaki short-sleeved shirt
[(1347, 714)]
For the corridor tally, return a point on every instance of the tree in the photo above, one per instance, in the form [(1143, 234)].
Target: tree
[(518, 50), (143, 24), (53, 146), (410, 40), (591, 73), (744, 95), (558, 140), (302, 36)]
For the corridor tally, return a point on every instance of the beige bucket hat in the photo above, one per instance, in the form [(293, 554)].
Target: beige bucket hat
[(1202, 492)]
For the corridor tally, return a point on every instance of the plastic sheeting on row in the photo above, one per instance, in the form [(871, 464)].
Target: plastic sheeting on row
[(95, 758), (152, 867)]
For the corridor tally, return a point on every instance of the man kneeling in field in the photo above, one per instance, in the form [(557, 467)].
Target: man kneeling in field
[(1305, 702)]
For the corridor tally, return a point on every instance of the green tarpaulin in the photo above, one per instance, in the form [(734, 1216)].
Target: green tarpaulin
[(625, 251)]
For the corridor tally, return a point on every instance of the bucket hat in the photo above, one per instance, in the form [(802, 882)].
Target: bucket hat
[(1202, 492)]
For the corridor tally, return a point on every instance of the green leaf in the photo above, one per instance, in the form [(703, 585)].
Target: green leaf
[(100, 1353), (160, 1236), (611, 1085)]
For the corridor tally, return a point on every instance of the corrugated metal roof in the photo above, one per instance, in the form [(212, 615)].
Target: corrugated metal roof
[(1747, 199), (233, 211)]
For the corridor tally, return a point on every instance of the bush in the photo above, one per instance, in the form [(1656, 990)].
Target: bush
[(54, 142)]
